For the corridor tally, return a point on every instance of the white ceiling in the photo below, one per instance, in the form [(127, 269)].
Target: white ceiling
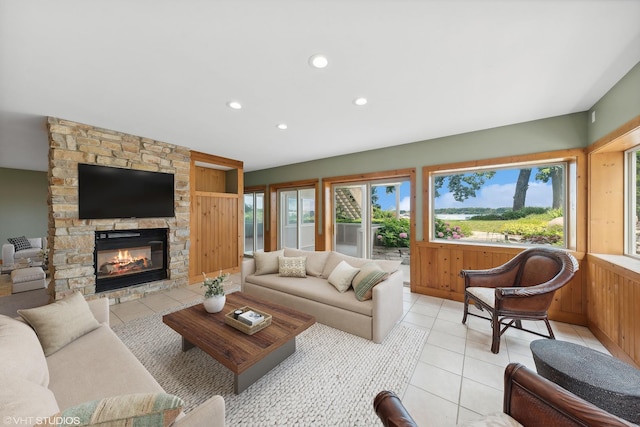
[(165, 69)]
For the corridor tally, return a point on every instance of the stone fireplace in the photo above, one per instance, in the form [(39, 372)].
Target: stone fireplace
[(72, 241)]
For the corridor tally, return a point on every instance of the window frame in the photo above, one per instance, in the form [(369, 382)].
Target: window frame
[(253, 192), (630, 202), (574, 193)]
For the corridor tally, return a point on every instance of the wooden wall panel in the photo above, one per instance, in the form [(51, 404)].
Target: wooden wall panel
[(439, 266), (614, 295), (215, 246), (208, 179)]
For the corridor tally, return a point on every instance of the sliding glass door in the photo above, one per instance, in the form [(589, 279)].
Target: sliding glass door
[(253, 222), (297, 218)]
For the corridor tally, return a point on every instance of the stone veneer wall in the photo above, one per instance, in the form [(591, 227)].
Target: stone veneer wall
[(71, 240)]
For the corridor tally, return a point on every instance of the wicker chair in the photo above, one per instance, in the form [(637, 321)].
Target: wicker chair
[(521, 289), (528, 398)]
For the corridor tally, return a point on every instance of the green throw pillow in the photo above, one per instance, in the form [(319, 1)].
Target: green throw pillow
[(127, 410), (369, 276)]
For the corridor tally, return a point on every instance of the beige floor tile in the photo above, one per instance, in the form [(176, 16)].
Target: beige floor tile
[(484, 372), (412, 325), (481, 337), (525, 360), (447, 341), (454, 316), (437, 381), (465, 415), (426, 299), (483, 352), (425, 309), (480, 398), (183, 295), (114, 320), (419, 319), (131, 310), (442, 358), (453, 305), (159, 302), (517, 346), (428, 409), (454, 328)]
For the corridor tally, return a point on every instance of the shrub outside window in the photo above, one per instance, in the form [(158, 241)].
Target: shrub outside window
[(523, 204)]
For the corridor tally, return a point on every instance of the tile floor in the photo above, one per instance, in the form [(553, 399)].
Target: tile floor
[(457, 377)]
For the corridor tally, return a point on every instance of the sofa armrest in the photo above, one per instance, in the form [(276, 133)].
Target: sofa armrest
[(210, 413), (248, 268), (100, 309), (8, 252), (387, 305)]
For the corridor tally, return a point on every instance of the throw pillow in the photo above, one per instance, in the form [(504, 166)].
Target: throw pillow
[(267, 262), (370, 275), (342, 275), (292, 266), (21, 243), (60, 323), (142, 409), (315, 260)]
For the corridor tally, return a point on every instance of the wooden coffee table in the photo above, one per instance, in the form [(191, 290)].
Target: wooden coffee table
[(249, 357)]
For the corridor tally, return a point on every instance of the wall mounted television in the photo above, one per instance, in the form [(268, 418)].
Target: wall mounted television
[(107, 192)]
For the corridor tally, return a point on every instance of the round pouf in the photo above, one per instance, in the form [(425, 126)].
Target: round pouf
[(214, 304), (594, 376)]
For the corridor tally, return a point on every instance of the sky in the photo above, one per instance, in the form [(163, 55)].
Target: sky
[(496, 193)]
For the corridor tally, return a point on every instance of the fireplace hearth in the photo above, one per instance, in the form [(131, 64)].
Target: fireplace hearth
[(124, 258)]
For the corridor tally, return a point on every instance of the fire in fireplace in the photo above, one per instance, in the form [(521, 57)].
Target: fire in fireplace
[(125, 258)]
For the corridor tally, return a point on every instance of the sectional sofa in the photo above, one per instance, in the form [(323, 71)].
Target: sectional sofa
[(369, 313)]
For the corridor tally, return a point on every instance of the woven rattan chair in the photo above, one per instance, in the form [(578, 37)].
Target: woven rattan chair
[(521, 289)]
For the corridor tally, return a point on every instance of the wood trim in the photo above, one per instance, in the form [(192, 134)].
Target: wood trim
[(621, 139), (197, 156)]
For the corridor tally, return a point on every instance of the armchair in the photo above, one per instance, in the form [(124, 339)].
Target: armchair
[(521, 289), (12, 256), (529, 399)]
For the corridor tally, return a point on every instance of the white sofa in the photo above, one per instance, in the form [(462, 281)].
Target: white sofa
[(10, 256), (96, 365), (371, 319)]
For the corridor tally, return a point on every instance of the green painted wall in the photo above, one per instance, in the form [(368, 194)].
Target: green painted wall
[(23, 204), (556, 133), (616, 107)]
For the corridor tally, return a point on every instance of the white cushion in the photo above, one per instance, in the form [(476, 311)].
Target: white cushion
[(60, 323), (342, 275), (315, 260), (21, 352), (486, 295)]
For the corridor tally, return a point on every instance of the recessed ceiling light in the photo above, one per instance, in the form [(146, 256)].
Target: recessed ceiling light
[(234, 105), (318, 61), (282, 126), (360, 101)]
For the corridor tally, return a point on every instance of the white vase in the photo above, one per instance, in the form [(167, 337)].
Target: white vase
[(215, 303)]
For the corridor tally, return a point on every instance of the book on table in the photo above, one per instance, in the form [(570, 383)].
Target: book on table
[(251, 318)]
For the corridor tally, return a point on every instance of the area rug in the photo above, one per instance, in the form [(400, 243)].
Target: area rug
[(330, 380)]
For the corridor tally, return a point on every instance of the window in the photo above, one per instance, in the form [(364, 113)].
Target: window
[(297, 218), (519, 204), (632, 202), (253, 221)]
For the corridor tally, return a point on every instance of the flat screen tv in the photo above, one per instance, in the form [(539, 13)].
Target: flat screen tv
[(108, 192)]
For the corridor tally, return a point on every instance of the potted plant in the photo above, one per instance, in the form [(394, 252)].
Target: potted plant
[(214, 298)]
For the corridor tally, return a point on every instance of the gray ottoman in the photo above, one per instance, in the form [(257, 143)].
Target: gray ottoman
[(596, 377), (27, 279)]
